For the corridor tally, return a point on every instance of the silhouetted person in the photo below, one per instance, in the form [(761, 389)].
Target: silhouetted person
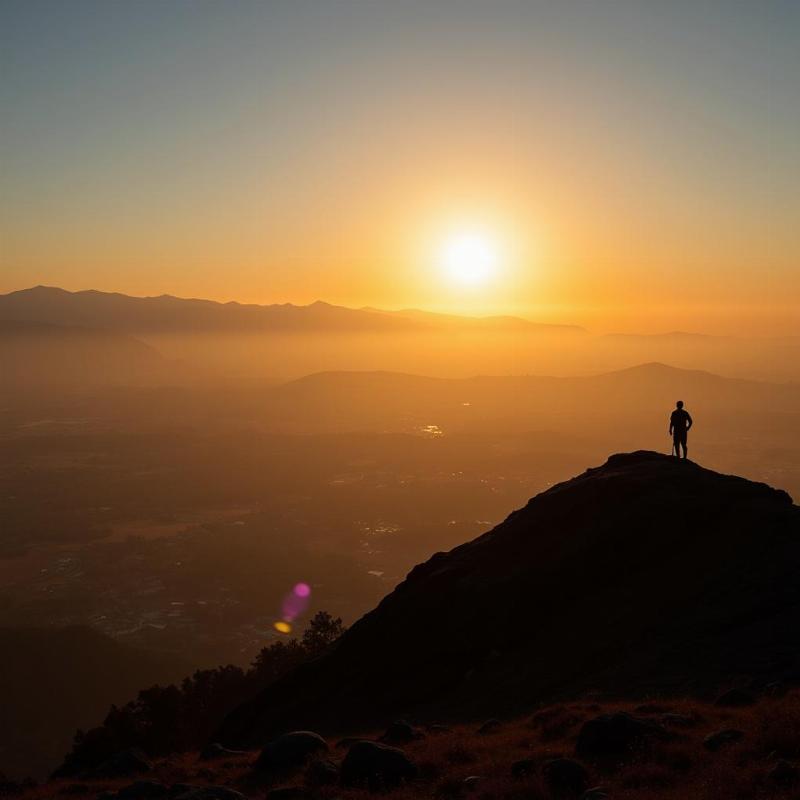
[(679, 423)]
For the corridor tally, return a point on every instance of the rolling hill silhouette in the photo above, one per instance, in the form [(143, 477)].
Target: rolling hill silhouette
[(168, 314), (643, 575)]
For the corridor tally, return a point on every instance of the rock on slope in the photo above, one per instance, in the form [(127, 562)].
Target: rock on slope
[(645, 574)]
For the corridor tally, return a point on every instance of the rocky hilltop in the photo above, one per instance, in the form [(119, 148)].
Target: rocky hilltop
[(645, 575)]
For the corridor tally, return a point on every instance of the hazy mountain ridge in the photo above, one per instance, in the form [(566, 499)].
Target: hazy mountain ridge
[(241, 342), (622, 399), (653, 370), (166, 313)]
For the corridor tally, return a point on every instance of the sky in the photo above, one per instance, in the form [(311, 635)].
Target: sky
[(631, 165)]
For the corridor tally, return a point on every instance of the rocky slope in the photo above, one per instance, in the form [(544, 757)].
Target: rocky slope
[(643, 575)]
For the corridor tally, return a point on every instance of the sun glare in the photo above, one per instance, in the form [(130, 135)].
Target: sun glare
[(469, 258)]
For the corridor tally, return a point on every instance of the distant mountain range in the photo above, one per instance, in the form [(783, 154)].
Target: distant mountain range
[(618, 403), (49, 335), (642, 576), (165, 314)]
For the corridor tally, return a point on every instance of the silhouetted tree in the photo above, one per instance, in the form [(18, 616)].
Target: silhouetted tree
[(276, 660), (321, 633)]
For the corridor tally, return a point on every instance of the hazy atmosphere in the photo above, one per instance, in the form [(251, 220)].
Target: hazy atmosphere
[(399, 397)]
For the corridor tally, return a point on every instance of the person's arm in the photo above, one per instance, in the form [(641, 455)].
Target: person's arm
[(689, 420), (671, 421)]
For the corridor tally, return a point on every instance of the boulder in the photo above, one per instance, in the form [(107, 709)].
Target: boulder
[(565, 778), (290, 751), (615, 735), (377, 765), (401, 732), (719, 739)]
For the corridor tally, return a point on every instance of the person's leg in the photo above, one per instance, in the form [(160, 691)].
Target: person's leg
[(676, 446)]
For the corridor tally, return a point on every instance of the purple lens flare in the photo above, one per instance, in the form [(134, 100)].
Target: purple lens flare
[(293, 605)]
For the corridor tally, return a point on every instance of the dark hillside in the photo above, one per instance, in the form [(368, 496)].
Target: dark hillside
[(643, 575)]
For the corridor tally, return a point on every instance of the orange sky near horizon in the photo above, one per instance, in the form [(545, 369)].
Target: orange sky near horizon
[(637, 167)]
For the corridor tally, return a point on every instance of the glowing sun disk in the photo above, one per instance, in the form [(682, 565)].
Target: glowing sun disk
[(469, 258)]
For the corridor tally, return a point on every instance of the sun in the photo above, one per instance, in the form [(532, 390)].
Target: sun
[(469, 257)]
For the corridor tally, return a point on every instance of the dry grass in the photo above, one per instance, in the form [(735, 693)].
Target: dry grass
[(677, 769)]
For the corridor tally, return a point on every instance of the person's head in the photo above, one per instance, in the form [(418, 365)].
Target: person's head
[(679, 404)]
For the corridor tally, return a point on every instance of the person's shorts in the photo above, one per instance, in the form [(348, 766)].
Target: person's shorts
[(679, 437)]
